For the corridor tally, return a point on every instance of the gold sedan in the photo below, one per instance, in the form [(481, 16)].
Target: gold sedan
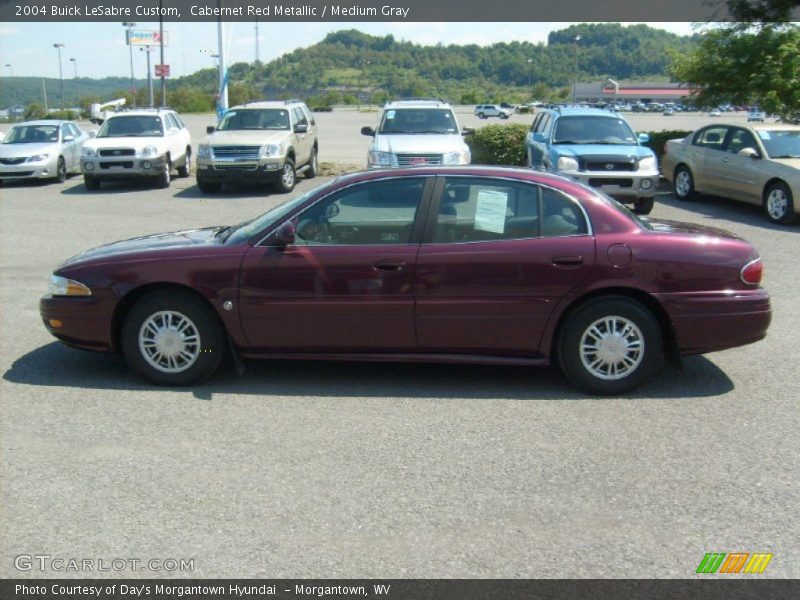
[(759, 164)]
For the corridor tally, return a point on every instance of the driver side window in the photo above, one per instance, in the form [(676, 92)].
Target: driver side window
[(380, 212)]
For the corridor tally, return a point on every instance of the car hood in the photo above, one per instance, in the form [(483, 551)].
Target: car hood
[(663, 226), (147, 244), (19, 150), (419, 143), (602, 150), (794, 163), (253, 136)]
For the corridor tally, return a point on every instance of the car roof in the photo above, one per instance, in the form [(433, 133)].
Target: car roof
[(138, 112), (760, 126), (584, 111), (42, 122), (421, 103), (269, 104)]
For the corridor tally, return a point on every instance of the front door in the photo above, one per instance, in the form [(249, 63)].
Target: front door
[(345, 285), (501, 255)]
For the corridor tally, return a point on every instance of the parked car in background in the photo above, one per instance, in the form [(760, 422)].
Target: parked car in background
[(668, 112), (755, 114), (758, 164), (260, 141), (417, 133), (138, 143), (46, 149), (484, 111), (596, 147), (471, 264), (715, 112)]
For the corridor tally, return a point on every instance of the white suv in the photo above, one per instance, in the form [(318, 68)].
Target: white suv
[(138, 143), (484, 111), (417, 133)]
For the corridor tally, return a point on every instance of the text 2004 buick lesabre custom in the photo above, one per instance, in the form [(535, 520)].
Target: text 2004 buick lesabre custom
[(453, 264)]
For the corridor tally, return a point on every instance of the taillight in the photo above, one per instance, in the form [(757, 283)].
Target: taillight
[(752, 272)]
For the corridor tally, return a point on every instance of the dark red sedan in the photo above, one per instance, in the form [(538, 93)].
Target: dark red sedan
[(470, 264)]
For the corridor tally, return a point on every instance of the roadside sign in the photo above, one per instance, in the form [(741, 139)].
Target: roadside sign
[(141, 37), (162, 70)]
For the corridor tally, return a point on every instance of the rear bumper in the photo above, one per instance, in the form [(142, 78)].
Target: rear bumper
[(712, 321), (78, 322)]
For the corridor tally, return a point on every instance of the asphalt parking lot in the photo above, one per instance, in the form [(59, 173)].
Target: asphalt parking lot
[(381, 470)]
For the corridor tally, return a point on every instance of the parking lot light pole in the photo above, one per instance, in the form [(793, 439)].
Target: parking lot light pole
[(530, 75), (147, 50), (130, 25), (74, 62), (575, 83), (60, 73)]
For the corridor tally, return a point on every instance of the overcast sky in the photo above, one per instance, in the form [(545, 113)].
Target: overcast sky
[(100, 50)]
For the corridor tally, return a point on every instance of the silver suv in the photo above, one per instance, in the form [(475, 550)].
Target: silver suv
[(417, 133), (259, 141), (484, 111)]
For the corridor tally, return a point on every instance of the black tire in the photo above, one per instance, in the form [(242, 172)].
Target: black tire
[(503, 116), (61, 170), (183, 170), (209, 187), (207, 353), (313, 166), (644, 206), (288, 178), (163, 179), (481, 116), (683, 184), (778, 204), (623, 311), (91, 182)]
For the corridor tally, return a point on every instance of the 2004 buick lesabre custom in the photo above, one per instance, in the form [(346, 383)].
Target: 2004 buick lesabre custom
[(450, 264)]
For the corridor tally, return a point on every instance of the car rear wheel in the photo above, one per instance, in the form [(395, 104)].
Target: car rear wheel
[(313, 165), (61, 170), (183, 170), (610, 346), (209, 187), (91, 182), (288, 177), (173, 339), (779, 204), (684, 183), (643, 206)]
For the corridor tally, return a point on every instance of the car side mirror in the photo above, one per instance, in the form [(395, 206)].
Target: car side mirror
[(368, 131), (643, 138), (539, 137), (467, 131), (285, 235), (92, 133), (300, 128), (210, 129), (751, 152), (69, 138)]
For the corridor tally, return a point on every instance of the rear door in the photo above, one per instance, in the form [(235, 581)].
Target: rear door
[(498, 256), (706, 154)]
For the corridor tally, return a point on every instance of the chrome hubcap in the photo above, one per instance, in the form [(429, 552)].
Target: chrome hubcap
[(682, 183), (777, 203), (612, 348), (169, 341), (288, 175)]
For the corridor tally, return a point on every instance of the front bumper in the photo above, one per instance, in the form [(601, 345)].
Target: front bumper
[(264, 170), (711, 321), (123, 166), (623, 185), (79, 322), (28, 170)]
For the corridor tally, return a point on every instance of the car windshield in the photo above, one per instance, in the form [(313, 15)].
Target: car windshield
[(245, 231), (418, 121), (132, 126), (781, 143), (593, 130), (32, 134), (255, 118)]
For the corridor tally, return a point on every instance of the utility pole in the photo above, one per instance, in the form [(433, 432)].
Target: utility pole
[(74, 62), (130, 25), (222, 105), (575, 84), (161, 45), (258, 57), (147, 50), (60, 73)]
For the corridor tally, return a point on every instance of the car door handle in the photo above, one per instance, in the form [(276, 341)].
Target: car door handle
[(389, 265), (567, 261)]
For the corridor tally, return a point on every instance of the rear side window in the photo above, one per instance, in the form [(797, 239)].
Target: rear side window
[(711, 137)]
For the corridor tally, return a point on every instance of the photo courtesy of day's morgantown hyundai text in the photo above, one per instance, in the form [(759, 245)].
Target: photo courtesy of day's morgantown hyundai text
[(455, 264)]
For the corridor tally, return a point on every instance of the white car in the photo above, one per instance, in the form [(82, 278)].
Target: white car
[(417, 133), (46, 149), (715, 113), (138, 143), (484, 111), (755, 114)]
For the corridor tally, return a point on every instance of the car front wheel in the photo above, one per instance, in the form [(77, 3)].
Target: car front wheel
[(610, 346), (91, 182), (164, 178), (288, 177), (644, 206), (779, 204), (173, 339), (313, 166)]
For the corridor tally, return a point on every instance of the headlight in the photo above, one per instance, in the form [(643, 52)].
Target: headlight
[(38, 157), (61, 286), (384, 159), (270, 150), (565, 163), (648, 163), (204, 151), (87, 152), (148, 152), (456, 158)]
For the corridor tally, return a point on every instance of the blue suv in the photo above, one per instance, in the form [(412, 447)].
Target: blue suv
[(598, 148)]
